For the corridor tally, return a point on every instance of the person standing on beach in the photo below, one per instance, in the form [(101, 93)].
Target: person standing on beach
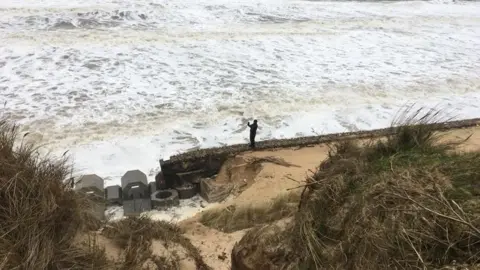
[(253, 132)]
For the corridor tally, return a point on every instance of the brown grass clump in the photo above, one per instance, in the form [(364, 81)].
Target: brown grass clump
[(405, 202), (39, 214), (135, 235), (234, 218), (265, 247)]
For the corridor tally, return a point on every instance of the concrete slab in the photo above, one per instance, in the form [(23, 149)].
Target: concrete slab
[(160, 180), (162, 199), (90, 182), (113, 195), (134, 176), (135, 185), (136, 207), (152, 187)]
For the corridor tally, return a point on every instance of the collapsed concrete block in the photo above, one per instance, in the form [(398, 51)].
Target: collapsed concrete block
[(90, 183), (134, 176), (197, 187), (138, 191), (162, 199), (113, 195), (92, 186), (192, 177), (186, 191), (136, 206), (134, 185), (152, 187), (160, 180), (213, 191)]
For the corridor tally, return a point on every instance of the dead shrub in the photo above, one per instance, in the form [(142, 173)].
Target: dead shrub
[(404, 202), (39, 214), (135, 234), (234, 218)]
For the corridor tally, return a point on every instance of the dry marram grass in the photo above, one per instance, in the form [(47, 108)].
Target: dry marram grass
[(407, 201), (235, 218), (41, 217), (134, 235), (39, 214)]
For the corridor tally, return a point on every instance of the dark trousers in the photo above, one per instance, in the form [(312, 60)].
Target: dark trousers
[(252, 140)]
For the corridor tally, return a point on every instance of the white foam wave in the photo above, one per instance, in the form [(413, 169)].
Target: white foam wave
[(186, 209)]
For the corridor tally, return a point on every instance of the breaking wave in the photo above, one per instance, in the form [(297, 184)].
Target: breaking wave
[(87, 20), (145, 15)]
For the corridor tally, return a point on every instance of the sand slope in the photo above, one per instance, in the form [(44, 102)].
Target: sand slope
[(269, 181), (273, 180)]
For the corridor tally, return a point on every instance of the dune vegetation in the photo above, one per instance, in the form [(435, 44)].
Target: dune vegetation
[(45, 224), (234, 218), (39, 214), (407, 201)]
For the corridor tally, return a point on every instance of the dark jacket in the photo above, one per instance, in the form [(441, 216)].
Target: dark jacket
[(253, 128)]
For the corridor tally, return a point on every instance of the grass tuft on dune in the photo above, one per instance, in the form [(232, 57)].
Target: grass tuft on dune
[(39, 214), (406, 201), (42, 219)]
